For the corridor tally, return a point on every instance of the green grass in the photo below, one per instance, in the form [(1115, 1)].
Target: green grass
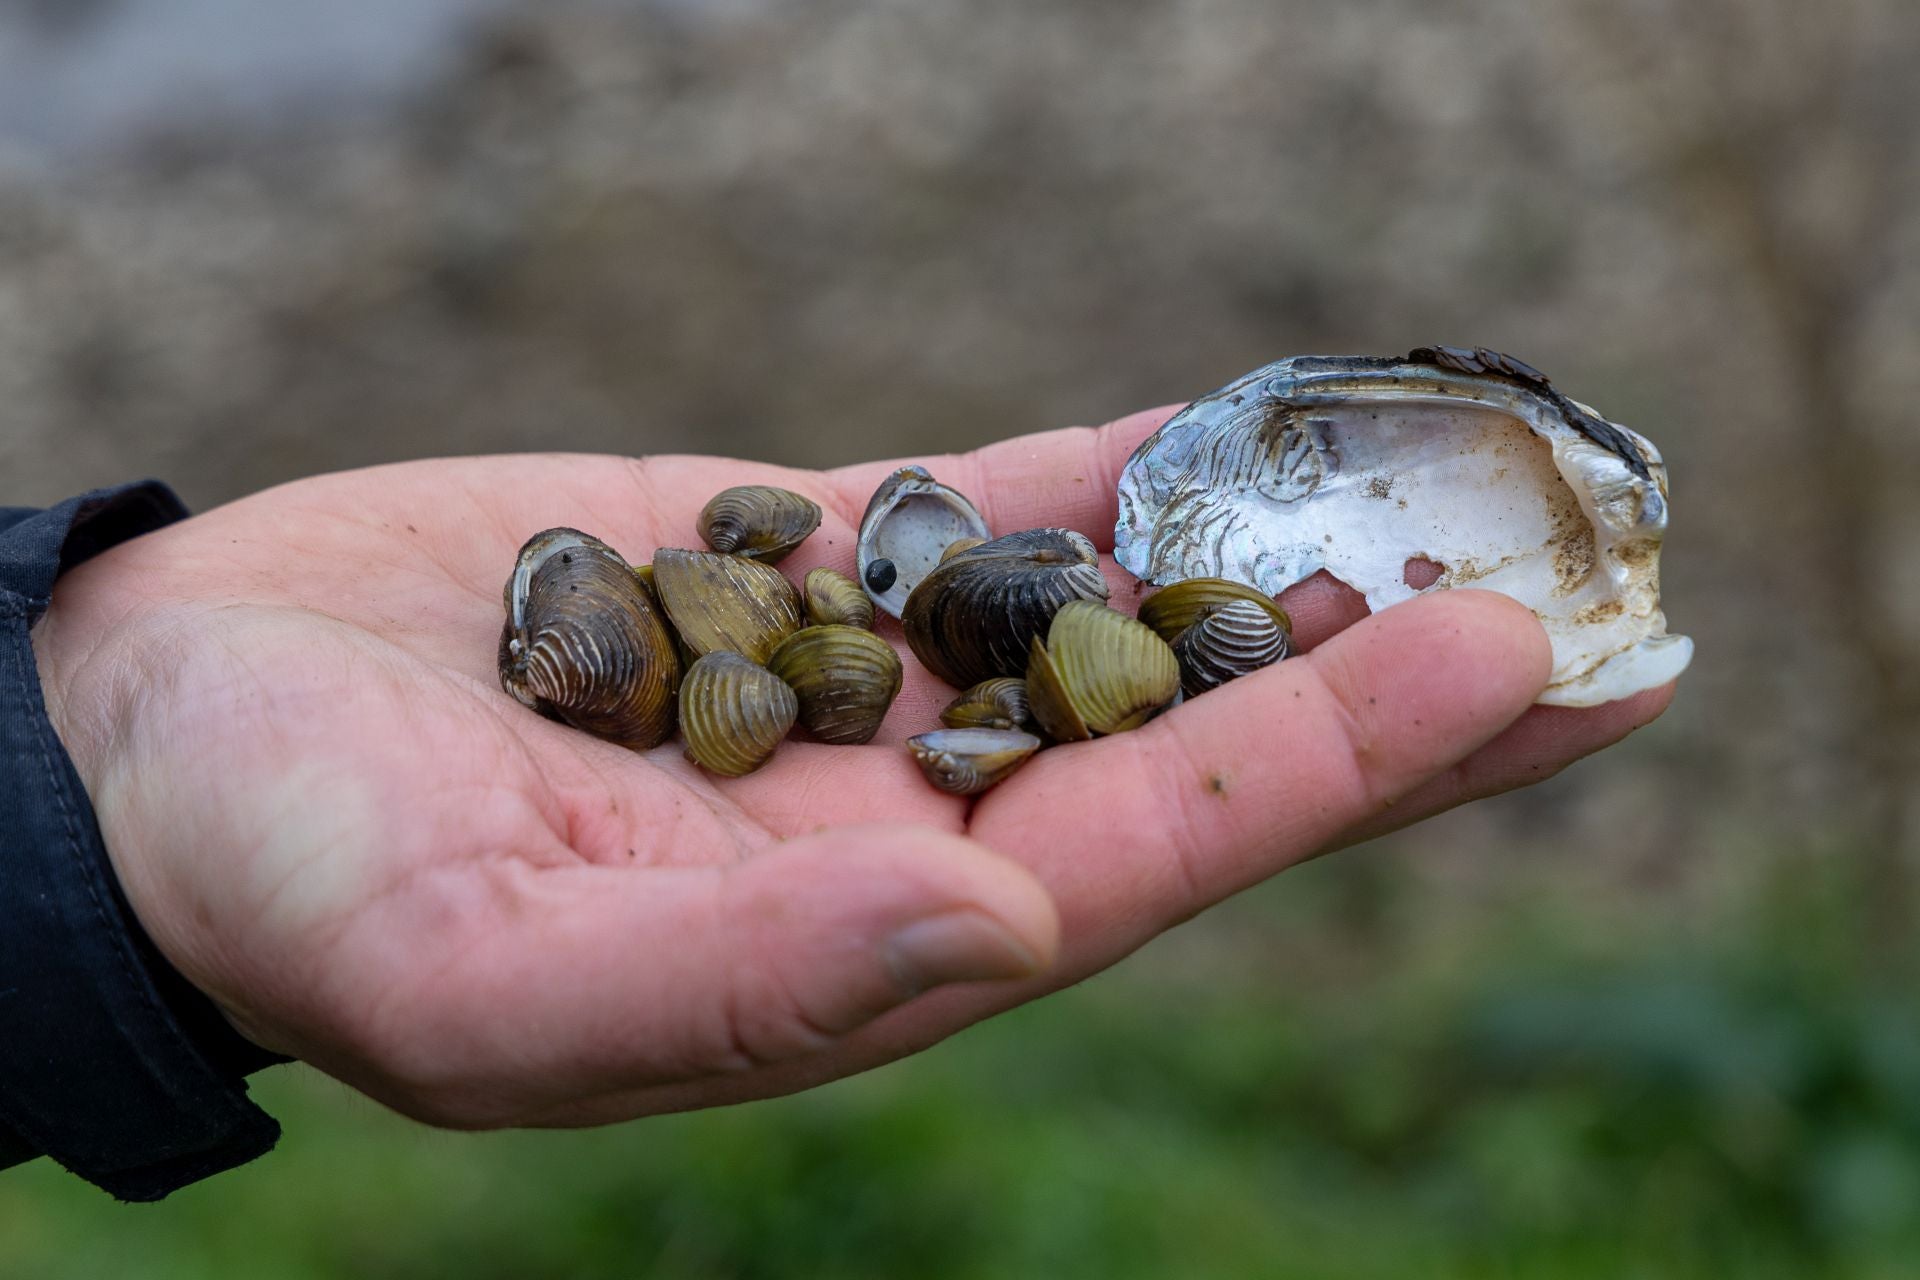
[(1327, 1079)]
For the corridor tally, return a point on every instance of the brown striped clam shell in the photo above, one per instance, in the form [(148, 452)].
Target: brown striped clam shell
[(834, 599), (974, 616), (999, 703), (725, 602), (845, 678), (759, 521), (1219, 629), (733, 713), (584, 643)]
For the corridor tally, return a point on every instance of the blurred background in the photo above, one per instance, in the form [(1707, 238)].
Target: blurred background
[(1657, 1017)]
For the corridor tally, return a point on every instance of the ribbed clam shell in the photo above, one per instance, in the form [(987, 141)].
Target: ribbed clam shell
[(966, 762), (999, 703), (1099, 672), (758, 521), (584, 643), (725, 602), (909, 521), (834, 599), (733, 713), (974, 616), (845, 678), (1051, 704), (1171, 610), (1227, 642)]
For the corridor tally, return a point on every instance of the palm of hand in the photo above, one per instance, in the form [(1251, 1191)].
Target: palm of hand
[(330, 818)]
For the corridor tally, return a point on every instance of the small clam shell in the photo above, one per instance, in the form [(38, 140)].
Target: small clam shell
[(584, 642), (846, 679), (1227, 643), (973, 617), (968, 761), (834, 599), (1098, 672), (1047, 697), (758, 521), (910, 520), (1000, 703), (733, 713), (1219, 629), (1173, 609), (955, 548), (725, 602)]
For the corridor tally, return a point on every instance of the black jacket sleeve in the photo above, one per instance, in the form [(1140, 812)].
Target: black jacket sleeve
[(111, 1063)]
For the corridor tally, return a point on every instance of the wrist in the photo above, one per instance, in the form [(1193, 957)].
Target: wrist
[(109, 1061)]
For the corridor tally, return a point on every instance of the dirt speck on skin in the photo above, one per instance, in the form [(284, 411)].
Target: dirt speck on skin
[(1217, 783)]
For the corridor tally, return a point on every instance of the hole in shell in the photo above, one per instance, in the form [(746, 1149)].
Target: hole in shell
[(1422, 572)]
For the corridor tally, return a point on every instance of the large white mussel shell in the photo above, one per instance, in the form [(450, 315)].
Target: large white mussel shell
[(1462, 457), (909, 522)]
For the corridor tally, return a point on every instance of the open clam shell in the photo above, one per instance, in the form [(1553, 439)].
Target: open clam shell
[(759, 521), (1098, 672), (722, 602), (966, 762), (733, 713), (1000, 703), (845, 678), (583, 641), (834, 599), (910, 520), (1462, 457), (974, 616)]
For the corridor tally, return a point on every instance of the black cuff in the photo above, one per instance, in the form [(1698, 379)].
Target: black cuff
[(110, 1062)]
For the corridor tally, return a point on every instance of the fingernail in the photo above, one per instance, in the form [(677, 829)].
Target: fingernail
[(960, 946)]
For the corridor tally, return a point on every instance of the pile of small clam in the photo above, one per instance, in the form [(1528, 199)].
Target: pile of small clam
[(721, 642)]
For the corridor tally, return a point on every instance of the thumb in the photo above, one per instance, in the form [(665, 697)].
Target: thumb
[(826, 932), (611, 979)]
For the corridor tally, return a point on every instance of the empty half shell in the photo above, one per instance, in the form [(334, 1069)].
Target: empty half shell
[(834, 599), (966, 762), (584, 643), (1098, 672), (1219, 630), (1463, 457), (910, 520), (721, 602), (758, 521), (733, 713), (845, 678), (974, 616), (1000, 703)]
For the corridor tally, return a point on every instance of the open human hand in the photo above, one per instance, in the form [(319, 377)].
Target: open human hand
[(332, 821)]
